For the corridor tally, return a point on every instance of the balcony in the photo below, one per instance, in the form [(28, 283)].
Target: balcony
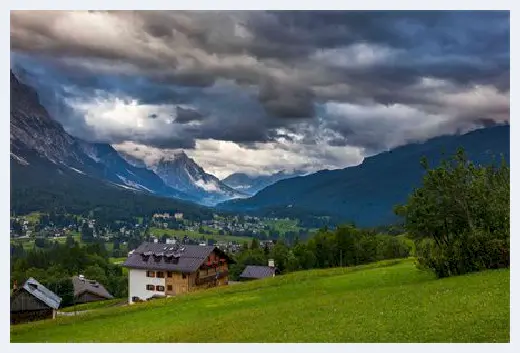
[(210, 278)]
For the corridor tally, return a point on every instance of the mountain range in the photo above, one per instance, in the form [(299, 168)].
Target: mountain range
[(41, 146), (250, 185), (184, 174), (366, 194), (50, 168)]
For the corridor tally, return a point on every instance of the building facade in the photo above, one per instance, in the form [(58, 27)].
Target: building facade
[(163, 270)]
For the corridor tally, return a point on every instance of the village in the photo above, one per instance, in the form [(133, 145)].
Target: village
[(227, 233)]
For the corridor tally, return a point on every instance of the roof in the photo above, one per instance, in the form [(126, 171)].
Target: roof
[(42, 293), (258, 272), (82, 285), (156, 256)]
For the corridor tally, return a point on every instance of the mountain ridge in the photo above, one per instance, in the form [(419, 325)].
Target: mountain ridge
[(34, 130), (253, 184), (365, 194)]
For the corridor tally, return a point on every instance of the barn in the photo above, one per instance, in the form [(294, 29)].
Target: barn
[(33, 302)]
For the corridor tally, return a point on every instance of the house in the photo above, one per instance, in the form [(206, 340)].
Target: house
[(32, 302), (259, 272), (86, 290), (165, 270), (179, 216)]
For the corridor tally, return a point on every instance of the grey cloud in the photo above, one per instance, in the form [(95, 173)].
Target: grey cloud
[(187, 115), (270, 60), (286, 100)]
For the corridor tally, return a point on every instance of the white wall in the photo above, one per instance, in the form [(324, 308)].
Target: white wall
[(137, 282)]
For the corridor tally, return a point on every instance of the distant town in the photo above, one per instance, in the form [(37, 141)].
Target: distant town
[(228, 233)]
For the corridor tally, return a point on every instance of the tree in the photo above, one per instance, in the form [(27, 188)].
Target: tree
[(69, 241), (280, 255), (40, 242), (459, 217), (63, 288), (95, 273), (266, 249), (255, 244), (87, 233)]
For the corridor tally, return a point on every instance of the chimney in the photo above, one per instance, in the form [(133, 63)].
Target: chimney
[(270, 263)]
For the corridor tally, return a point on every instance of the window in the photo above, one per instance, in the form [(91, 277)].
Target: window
[(160, 274), (170, 287), (150, 274), (150, 287), (169, 274), (183, 276), (159, 288)]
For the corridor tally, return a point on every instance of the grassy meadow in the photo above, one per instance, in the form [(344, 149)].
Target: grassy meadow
[(95, 305), (390, 301)]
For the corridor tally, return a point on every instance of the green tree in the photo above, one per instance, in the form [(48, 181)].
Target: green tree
[(97, 273), (69, 241), (280, 255), (459, 217), (255, 244)]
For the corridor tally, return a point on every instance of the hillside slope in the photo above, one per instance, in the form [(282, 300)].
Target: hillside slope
[(367, 193), (51, 169), (385, 302)]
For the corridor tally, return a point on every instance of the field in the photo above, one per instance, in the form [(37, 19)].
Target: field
[(158, 232), (390, 301), (283, 225), (28, 243), (95, 305)]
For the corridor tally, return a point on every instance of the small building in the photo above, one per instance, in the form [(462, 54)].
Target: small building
[(87, 290), (171, 269), (258, 272), (179, 216), (33, 302)]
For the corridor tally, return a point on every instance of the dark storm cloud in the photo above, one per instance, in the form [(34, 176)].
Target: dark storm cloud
[(279, 70), (187, 115), (286, 101)]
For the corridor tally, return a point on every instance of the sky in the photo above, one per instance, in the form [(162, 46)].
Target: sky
[(259, 91)]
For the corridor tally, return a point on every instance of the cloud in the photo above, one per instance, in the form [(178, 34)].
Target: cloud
[(222, 158), (249, 81), (186, 115)]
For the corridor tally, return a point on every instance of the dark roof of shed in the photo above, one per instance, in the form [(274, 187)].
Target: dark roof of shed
[(82, 285), (191, 257), (258, 272), (42, 293)]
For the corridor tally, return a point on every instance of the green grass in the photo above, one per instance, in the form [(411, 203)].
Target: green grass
[(158, 232), (102, 304), (116, 260), (390, 301), (283, 225)]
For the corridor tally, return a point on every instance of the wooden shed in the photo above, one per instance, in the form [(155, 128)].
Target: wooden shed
[(32, 302)]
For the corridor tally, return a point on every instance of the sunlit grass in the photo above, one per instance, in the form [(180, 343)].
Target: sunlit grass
[(391, 301)]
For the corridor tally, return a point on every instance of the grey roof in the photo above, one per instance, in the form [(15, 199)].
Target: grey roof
[(82, 285), (41, 292), (189, 257), (258, 272)]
